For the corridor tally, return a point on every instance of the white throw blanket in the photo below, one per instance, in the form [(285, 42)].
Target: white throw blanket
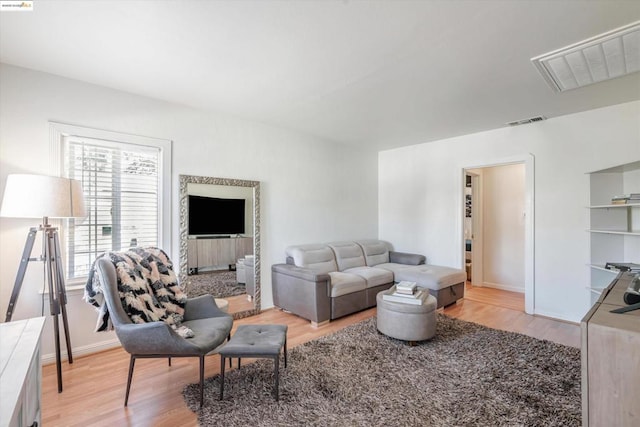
[(147, 286)]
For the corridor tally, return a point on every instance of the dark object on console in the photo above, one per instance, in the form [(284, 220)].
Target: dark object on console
[(626, 309), (631, 296), (622, 266)]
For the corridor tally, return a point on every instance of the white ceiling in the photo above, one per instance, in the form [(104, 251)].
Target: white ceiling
[(377, 74)]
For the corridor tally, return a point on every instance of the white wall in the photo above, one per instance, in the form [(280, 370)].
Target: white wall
[(503, 234), (311, 190), (420, 206)]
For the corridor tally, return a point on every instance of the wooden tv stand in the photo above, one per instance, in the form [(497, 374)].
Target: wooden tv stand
[(214, 252), (611, 360)]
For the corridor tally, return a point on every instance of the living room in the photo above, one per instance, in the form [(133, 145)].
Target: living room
[(316, 187)]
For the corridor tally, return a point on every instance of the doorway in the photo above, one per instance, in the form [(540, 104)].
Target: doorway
[(497, 231)]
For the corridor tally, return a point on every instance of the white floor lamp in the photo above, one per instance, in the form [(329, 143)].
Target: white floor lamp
[(39, 196)]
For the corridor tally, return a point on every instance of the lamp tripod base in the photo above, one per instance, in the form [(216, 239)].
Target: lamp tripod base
[(55, 281)]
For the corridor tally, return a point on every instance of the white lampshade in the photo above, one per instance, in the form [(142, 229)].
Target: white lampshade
[(39, 196)]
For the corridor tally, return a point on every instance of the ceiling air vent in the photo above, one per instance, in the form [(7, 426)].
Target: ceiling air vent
[(603, 57), (526, 121)]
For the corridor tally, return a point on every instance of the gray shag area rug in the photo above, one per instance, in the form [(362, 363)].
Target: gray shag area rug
[(467, 375), (217, 283)]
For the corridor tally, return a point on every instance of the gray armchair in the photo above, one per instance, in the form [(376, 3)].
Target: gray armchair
[(211, 326)]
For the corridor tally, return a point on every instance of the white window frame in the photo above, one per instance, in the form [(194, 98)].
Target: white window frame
[(59, 131)]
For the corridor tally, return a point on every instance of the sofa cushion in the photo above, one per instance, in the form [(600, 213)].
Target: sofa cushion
[(373, 276), (375, 251), (317, 257), (431, 276), (393, 267), (348, 255), (346, 283)]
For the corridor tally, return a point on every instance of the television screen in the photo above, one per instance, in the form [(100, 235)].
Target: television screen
[(213, 216)]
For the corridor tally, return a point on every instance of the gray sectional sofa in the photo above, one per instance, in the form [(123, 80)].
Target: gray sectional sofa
[(321, 282)]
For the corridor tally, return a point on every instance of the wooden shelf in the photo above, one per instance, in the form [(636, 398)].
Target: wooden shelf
[(626, 205), (602, 268), (614, 228), (628, 167), (601, 278), (596, 291), (620, 232)]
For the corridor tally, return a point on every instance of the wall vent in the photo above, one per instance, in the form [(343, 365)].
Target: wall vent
[(603, 57), (527, 121)]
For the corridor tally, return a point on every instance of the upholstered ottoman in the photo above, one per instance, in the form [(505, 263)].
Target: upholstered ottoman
[(444, 283), (404, 321), (256, 341)]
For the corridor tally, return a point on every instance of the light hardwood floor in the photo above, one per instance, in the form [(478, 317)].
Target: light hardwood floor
[(239, 303), (94, 385)]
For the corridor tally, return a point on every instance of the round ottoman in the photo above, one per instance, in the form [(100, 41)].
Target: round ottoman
[(405, 321)]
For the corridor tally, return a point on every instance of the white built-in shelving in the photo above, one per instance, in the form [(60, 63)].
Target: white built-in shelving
[(614, 228)]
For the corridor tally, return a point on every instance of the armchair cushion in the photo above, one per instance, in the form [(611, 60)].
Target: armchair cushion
[(209, 333)]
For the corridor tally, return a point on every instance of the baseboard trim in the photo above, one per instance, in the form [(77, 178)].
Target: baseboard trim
[(82, 351), (557, 316), (509, 288)]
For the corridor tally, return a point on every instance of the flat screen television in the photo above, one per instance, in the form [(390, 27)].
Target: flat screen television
[(210, 216)]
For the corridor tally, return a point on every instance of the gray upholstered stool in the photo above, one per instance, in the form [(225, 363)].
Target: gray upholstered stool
[(256, 341), (408, 322)]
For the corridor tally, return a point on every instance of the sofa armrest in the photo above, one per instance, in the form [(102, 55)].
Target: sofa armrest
[(301, 291), (406, 258), (300, 272)]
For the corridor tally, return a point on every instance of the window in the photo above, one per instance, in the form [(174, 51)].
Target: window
[(126, 183)]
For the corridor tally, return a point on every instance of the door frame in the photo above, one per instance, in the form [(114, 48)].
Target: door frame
[(529, 221)]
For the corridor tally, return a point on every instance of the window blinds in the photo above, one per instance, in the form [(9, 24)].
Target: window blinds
[(121, 186)]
